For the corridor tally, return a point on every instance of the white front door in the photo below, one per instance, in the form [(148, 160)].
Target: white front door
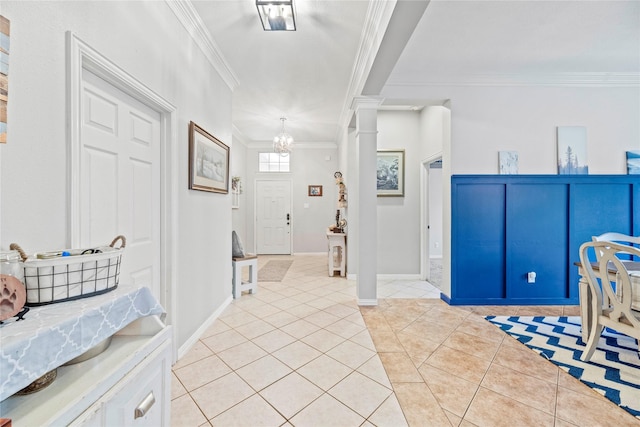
[(273, 217), (120, 178)]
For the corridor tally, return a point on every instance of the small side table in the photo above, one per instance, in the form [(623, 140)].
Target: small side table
[(337, 252), (250, 261)]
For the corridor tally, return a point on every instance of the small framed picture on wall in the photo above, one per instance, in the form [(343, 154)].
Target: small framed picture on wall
[(315, 190)]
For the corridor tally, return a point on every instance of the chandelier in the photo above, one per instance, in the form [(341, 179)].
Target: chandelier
[(283, 141)]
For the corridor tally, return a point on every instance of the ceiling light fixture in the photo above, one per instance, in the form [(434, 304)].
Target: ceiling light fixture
[(277, 15), (282, 143)]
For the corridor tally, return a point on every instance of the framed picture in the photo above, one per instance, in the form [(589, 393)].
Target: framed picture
[(633, 162), (390, 173), (508, 162), (572, 150), (315, 190), (208, 161)]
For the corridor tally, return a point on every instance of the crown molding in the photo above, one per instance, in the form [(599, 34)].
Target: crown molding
[(604, 79), (376, 21), (238, 136), (191, 21)]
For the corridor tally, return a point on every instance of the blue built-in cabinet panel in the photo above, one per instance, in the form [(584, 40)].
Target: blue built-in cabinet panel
[(481, 215), (505, 226), (536, 240)]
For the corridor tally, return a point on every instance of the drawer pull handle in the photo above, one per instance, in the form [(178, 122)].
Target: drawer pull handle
[(144, 406)]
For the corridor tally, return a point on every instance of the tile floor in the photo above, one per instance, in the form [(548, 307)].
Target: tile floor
[(302, 353)]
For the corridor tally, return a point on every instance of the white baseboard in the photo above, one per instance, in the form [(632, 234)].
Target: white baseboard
[(367, 302), (398, 277), (354, 276), (436, 257), (310, 253), (193, 339)]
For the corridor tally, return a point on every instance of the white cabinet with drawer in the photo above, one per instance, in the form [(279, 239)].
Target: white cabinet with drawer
[(114, 388)]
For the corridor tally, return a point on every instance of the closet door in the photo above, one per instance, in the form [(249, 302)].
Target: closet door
[(120, 178)]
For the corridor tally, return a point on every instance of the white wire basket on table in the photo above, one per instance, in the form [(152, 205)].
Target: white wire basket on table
[(71, 274)]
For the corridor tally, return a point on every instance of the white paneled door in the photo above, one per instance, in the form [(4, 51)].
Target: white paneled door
[(273, 217), (120, 178)]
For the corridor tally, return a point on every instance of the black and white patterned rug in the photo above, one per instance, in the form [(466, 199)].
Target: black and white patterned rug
[(614, 368)]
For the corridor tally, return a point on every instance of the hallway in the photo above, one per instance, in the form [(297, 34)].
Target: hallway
[(302, 353)]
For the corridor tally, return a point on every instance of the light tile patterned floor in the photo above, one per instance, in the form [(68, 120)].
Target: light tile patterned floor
[(301, 353)]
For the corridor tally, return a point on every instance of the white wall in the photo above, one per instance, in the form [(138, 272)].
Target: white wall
[(310, 216), (399, 217), (432, 131), (435, 212), (487, 120), (146, 40), (421, 134)]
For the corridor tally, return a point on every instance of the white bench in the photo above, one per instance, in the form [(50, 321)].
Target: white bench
[(239, 263)]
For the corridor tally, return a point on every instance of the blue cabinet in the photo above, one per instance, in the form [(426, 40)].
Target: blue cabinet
[(505, 226)]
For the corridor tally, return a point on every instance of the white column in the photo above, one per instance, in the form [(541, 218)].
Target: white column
[(366, 111)]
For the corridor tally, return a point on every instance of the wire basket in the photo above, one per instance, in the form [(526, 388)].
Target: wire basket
[(67, 275)]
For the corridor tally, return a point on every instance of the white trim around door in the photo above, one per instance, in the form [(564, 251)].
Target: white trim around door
[(81, 56)]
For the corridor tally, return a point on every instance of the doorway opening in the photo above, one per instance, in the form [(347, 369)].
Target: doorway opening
[(431, 220)]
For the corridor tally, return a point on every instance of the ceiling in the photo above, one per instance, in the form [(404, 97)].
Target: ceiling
[(344, 48)]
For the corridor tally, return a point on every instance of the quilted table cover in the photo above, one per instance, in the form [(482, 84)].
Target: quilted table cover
[(51, 335)]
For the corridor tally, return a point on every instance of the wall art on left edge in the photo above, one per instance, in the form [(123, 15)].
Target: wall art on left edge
[(4, 76), (208, 161)]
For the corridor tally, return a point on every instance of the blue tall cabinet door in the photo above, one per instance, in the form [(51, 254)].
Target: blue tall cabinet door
[(478, 259), (537, 232)]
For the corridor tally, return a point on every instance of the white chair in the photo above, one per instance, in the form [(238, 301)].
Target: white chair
[(635, 276), (606, 307), (617, 238)]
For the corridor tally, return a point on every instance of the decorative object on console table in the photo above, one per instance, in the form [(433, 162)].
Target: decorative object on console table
[(633, 162), (342, 189), (315, 190), (508, 162), (572, 150), (390, 173), (208, 161)]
